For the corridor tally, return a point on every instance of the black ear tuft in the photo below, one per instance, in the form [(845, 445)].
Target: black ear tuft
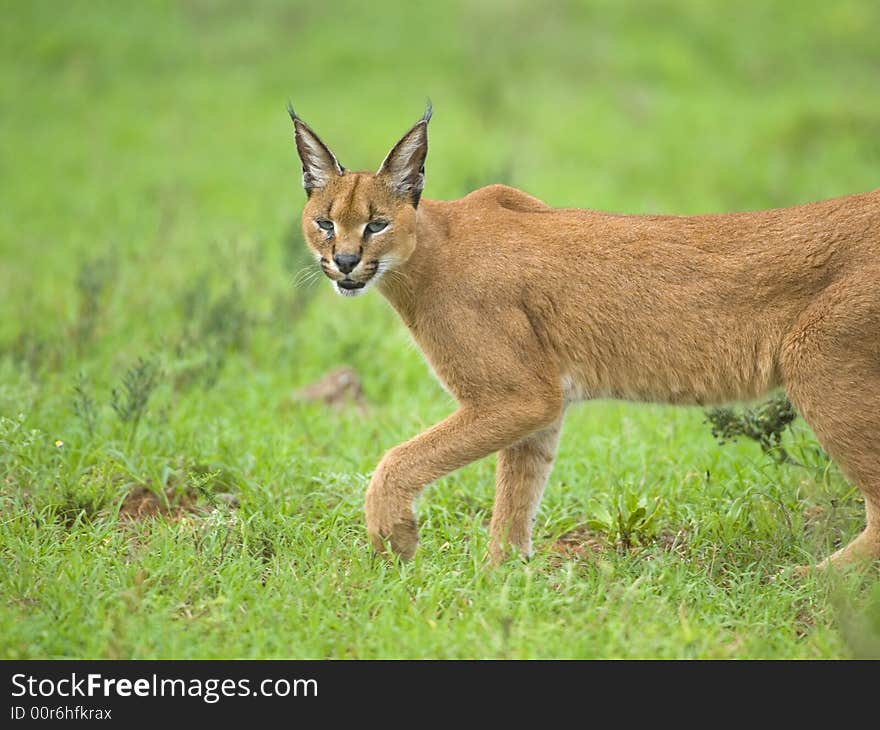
[(404, 167), (319, 164)]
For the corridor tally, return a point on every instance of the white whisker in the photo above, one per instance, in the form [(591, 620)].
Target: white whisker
[(306, 277)]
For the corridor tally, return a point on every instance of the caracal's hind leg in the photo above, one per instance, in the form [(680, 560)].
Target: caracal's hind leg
[(521, 475), (831, 364)]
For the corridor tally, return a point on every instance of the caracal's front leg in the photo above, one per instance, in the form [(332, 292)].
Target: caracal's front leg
[(472, 432), (521, 474)]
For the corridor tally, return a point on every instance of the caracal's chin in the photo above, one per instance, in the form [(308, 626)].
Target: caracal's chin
[(348, 292), (354, 289)]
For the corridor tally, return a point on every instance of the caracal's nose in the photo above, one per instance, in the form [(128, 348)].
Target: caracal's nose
[(346, 261)]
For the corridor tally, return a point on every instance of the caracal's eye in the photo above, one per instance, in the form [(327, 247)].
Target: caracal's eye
[(324, 224), (376, 226)]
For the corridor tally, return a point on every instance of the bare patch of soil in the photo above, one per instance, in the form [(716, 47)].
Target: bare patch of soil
[(338, 389), (579, 543), (142, 503), (582, 543), (673, 541)]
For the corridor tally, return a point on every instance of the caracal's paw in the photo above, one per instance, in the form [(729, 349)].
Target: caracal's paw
[(402, 538), (394, 529), (501, 552), (799, 572), (862, 553), (831, 565)]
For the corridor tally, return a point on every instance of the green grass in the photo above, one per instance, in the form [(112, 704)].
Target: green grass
[(150, 199)]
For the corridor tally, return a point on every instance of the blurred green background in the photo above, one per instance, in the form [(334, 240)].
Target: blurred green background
[(153, 130), (149, 204)]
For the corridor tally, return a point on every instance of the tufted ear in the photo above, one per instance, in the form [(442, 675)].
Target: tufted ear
[(404, 167), (319, 163)]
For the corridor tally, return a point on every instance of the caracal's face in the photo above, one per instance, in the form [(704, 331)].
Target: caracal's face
[(358, 229), (361, 225)]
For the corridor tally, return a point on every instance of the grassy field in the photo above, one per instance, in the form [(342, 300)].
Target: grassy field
[(153, 334)]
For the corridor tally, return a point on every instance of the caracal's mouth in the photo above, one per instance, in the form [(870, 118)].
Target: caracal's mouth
[(350, 285), (350, 288)]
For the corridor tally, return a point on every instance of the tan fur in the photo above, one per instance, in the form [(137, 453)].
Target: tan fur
[(521, 308)]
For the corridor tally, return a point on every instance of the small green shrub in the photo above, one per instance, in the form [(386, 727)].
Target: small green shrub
[(138, 383), (765, 424), (91, 283), (627, 520), (83, 405)]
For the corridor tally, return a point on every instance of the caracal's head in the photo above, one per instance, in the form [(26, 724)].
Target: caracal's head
[(361, 224)]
